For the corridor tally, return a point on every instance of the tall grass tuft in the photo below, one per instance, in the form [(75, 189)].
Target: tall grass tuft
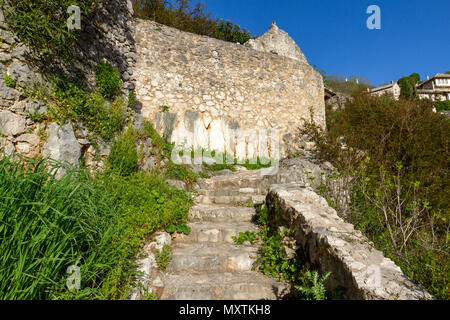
[(97, 223)]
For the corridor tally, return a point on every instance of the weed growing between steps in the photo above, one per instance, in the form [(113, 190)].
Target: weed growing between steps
[(163, 257), (274, 260), (225, 161), (247, 236), (98, 223)]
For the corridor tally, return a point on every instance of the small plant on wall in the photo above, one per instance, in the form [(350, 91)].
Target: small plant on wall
[(108, 80)]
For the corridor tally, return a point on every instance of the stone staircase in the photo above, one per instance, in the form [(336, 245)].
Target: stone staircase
[(206, 264)]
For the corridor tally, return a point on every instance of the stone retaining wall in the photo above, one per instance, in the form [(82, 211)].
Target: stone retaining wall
[(206, 93), (329, 244)]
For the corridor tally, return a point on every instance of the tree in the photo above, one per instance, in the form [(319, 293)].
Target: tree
[(408, 86), (448, 72)]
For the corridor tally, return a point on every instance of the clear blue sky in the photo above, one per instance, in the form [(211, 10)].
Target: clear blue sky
[(414, 35)]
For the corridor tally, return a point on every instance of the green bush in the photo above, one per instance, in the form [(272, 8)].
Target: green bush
[(183, 16), (408, 86), (230, 32), (69, 99), (442, 105), (123, 158), (108, 80), (42, 25), (395, 166), (10, 82)]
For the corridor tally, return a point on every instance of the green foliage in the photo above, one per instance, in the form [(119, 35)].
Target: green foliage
[(228, 31), (10, 82), (244, 237), (98, 223), (69, 99), (395, 166), (181, 172), (179, 228), (313, 287), (164, 108), (182, 15), (108, 80), (448, 72), (442, 105), (132, 99), (408, 86), (123, 158), (42, 25), (163, 257)]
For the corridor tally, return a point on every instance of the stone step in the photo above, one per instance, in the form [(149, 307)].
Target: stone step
[(221, 213), (242, 199), (216, 232), (247, 179), (231, 192), (223, 286), (211, 257)]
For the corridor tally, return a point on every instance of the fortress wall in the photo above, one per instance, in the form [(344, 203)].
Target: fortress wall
[(220, 95)]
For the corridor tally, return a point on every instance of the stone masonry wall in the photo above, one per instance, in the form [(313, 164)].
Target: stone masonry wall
[(107, 36), (222, 96), (329, 244)]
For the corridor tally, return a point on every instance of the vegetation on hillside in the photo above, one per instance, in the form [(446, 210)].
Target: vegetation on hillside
[(103, 112), (342, 84), (394, 163), (42, 25), (181, 14)]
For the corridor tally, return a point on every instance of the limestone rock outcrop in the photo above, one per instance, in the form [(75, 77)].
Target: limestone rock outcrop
[(62, 146), (278, 42)]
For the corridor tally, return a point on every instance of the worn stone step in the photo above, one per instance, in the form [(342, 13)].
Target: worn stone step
[(246, 179), (211, 257), (236, 199), (221, 213), (216, 231), (223, 286), (230, 192)]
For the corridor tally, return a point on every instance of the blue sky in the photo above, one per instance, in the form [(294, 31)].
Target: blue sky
[(414, 35)]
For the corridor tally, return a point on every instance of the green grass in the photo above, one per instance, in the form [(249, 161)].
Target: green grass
[(98, 223)]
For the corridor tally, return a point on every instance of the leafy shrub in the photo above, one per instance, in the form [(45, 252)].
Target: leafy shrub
[(42, 24), (69, 99), (395, 167), (313, 287), (180, 228), (442, 105), (408, 86), (123, 158), (132, 99), (228, 31), (108, 80), (10, 82), (181, 15), (245, 236)]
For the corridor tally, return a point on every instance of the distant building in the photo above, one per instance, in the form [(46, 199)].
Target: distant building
[(436, 88), (392, 89)]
